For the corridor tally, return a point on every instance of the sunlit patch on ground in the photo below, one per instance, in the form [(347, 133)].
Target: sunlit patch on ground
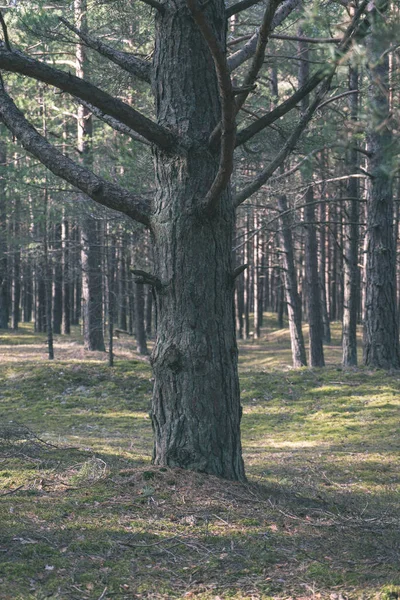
[(84, 515)]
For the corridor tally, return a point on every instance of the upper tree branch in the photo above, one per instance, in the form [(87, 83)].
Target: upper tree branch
[(155, 4), (114, 123), (125, 60), (102, 191), (17, 62), (239, 6), (323, 73), (239, 57), (263, 177), (228, 107), (259, 55), (281, 110)]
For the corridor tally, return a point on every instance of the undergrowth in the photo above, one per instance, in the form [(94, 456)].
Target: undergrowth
[(84, 514)]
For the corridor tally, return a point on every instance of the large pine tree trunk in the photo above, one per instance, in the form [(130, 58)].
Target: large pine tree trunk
[(381, 333), (196, 407)]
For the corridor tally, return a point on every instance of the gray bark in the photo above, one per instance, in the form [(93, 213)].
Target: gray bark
[(381, 335), (196, 404)]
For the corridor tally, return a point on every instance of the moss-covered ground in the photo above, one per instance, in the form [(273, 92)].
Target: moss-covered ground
[(84, 514)]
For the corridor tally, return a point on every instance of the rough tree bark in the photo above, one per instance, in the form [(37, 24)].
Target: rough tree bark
[(381, 333), (196, 404)]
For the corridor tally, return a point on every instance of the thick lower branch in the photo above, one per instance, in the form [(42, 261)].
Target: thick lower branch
[(102, 191), (146, 278), (17, 62)]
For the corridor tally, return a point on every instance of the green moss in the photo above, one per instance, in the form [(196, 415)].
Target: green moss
[(321, 449)]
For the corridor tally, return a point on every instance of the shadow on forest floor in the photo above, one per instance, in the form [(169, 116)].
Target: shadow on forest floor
[(85, 516)]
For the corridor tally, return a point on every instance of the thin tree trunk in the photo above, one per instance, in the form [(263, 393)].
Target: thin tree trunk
[(256, 280), (316, 351), (290, 283), (4, 274), (140, 330), (16, 262), (351, 240), (322, 256), (48, 278), (149, 312), (111, 297), (92, 279), (58, 279), (66, 277)]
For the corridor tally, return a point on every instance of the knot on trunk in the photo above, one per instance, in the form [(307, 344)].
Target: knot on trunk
[(171, 359)]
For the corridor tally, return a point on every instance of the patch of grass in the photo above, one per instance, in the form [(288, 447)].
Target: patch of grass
[(85, 515)]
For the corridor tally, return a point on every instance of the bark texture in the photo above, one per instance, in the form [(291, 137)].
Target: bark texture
[(196, 407), (381, 334)]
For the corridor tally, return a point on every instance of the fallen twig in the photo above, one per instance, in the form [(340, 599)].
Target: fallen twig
[(12, 491)]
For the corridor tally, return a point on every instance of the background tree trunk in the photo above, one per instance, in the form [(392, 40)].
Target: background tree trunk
[(4, 274), (290, 282), (351, 240), (381, 333)]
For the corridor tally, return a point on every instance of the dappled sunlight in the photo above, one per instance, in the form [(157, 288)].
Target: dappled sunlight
[(85, 509)]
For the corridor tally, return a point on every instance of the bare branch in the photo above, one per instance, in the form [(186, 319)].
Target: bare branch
[(5, 32), (102, 191), (263, 177), (114, 123), (323, 73), (259, 55), (239, 7), (238, 271), (154, 4), (17, 62), (142, 277), (309, 40), (228, 107), (342, 95), (125, 60), (281, 110), (248, 50)]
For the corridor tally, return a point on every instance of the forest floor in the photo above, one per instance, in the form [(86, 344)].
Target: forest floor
[(84, 514)]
